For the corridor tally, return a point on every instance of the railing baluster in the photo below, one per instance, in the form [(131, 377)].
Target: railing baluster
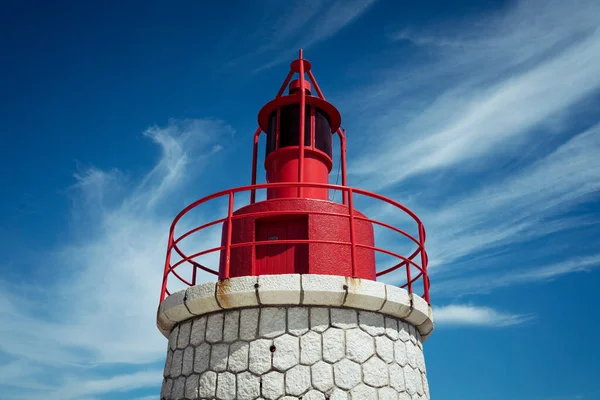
[(229, 233), (352, 232)]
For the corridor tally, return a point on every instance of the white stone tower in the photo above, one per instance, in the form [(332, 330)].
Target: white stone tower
[(296, 312)]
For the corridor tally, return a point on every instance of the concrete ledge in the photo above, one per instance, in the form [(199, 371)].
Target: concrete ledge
[(293, 289)]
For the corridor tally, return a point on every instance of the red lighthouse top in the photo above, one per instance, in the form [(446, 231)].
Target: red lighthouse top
[(297, 228)]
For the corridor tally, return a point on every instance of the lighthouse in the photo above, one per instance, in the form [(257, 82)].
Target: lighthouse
[(297, 308)]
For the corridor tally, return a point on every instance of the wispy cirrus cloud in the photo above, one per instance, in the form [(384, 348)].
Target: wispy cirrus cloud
[(470, 315), (288, 27), (100, 307), (477, 135)]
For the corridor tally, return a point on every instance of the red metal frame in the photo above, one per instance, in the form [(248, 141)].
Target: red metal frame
[(299, 66), (405, 262)]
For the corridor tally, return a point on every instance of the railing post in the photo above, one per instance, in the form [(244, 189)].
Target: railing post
[(352, 232), (195, 266), (408, 278), (254, 161), (424, 263), (163, 289), (229, 232)]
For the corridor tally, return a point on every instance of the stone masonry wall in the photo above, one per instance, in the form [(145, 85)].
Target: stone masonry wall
[(309, 353)]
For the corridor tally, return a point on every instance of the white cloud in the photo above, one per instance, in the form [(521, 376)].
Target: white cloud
[(487, 99), (525, 274), (101, 307), (460, 315)]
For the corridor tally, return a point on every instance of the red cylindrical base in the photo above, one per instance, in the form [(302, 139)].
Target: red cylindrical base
[(283, 165), (299, 224)]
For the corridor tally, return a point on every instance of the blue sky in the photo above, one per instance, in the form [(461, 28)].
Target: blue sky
[(481, 116)]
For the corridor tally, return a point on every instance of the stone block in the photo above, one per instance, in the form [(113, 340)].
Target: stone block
[(200, 299), (198, 332), (310, 348), (364, 294), (207, 385), (249, 323), (298, 320), (272, 322), (287, 352), (218, 357), (319, 319), (260, 356), (214, 328), (226, 385), (344, 318), (238, 357), (272, 385), (333, 345), (419, 311), (297, 380), (397, 302), (397, 377), (237, 292), (232, 326), (387, 393), (279, 289), (183, 339), (248, 386), (202, 358), (359, 345), (323, 290), (313, 395), (384, 348), (322, 376), (363, 391), (375, 372), (174, 308), (371, 322), (346, 374)]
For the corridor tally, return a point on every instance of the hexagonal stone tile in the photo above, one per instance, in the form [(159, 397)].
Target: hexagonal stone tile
[(248, 386), (338, 394), (248, 323), (297, 320), (198, 331), (287, 352), (166, 389), (363, 391), (403, 331), (173, 338), (412, 379), (391, 328), (188, 361), (411, 354), (371, 322), (191, 387), (297, 380), (322, 376), (375, 372), (397, 377), (218, 357), (168, 362), (232, 326), (319, 319), (346, 374), (207, 385), (238, 357), (359, 345), (176, 364), (179, 387), (404, 396), (201, 358), (384, 348), (310, 348), (425, 385), (226, 386), (272, 385), (260, 356), (333, 345), (400, 353), (387, 393), (214, 328), (183, 339), (272, 322), (313, 395), (344, 318)]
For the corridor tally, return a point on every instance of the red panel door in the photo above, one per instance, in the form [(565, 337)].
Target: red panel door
[(282, 258)]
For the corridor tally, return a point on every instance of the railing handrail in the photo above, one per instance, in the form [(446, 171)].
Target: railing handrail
[(349, 191)]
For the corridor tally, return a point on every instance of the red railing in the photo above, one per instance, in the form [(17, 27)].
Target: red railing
[(408, 263)]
